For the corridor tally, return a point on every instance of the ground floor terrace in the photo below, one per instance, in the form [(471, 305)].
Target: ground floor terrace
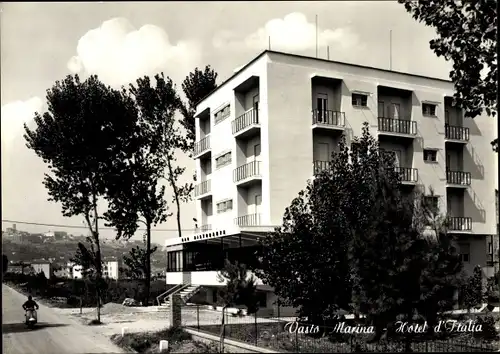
[(199, 260)]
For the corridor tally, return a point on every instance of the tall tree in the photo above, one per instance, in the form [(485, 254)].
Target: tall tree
[(139, 196), (350, 241), (87, 123), (196, 86), (467, 36)]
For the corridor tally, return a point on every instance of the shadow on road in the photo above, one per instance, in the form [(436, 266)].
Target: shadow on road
[(21, 327)]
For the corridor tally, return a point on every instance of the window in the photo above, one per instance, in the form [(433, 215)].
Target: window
[(430, 155), (359, 100), (464, 252), (429, 109), (173, 261), (432, 202), (224, 206), (222, 114), (223, 160)]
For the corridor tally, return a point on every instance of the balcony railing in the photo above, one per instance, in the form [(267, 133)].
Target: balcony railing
[(320, 166), (247, 170), (407, 174), (456, 132), (204, 228), (333, 118), (248, 220), (458, 177), (202, 188), (202, 145), (399, 126), (460, 223), (247, 119)]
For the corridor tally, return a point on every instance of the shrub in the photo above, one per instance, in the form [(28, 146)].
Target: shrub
[(489, 332)]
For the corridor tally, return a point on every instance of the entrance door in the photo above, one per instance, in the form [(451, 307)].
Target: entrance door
[(397, 158), (258, 203), (255, 106), (322, 152), (395, 110), (322, 105)]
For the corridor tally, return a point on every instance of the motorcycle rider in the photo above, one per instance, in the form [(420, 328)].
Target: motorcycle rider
[(30, 304)]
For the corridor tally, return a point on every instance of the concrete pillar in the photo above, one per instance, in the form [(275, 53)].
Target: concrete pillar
[(175, 310)]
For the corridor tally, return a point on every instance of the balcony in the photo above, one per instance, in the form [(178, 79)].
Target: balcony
[(202, 190), (397, 128), (328, 120), (202, 148), (247, 174), (248, 220), (456, 134), (204, 228), (458, 179), (247, 125), (408, 175), (460, 223), (320, 166)]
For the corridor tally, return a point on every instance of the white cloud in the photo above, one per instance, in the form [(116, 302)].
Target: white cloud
[(14, 115), (291, 33), (119, 53)]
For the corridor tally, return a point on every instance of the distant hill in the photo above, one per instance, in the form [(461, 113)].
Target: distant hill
[(63, 250)]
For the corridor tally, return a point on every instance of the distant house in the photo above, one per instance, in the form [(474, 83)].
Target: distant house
[(110, 269), (43, 267)]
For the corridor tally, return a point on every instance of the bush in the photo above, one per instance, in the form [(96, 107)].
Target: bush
[(147, 342), (489, 332)]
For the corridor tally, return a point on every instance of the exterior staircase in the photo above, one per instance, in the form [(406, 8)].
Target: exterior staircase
[(186, 291)]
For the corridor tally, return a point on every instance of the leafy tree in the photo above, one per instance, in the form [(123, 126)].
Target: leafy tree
[(196, 86), (351, 241), (467, 36), (138, 195), (80, 139), (240, 290), (443, 273), (473, 294), (136, 262)]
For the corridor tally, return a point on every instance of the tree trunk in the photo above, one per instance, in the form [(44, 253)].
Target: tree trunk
[(148, 262), (98, 257), (176, 195)]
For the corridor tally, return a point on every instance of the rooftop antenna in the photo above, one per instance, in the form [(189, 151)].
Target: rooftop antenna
[(390, 50), (269, 42), (316, 36), (328, 52)]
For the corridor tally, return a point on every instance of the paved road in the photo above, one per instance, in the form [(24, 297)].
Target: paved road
[(54, 334)]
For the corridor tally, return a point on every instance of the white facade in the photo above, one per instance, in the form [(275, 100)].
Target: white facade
[(285, 115), (111, 269)]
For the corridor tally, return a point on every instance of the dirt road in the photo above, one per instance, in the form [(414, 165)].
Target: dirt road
[(54, 333)]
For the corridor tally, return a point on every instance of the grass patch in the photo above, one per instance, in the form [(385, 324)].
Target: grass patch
[(179, 341)]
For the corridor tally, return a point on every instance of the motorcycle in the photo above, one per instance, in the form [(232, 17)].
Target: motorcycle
[(31, 318)]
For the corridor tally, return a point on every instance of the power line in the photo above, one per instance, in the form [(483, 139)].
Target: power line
[(83, 227)]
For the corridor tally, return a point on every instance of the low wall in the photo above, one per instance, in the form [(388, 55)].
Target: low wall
[(230, 346)]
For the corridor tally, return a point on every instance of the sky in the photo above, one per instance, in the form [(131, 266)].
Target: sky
[(43, 42)]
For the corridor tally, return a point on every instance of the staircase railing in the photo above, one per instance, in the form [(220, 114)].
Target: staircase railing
[(190, 294), (168, 292)]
